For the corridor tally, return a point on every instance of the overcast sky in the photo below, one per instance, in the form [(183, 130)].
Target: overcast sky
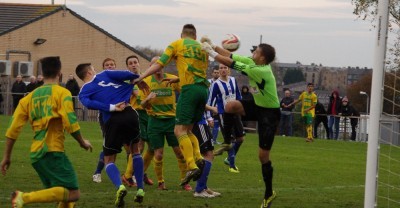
[(310, 31)]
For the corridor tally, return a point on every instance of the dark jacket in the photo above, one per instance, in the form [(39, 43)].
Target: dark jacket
[(348, 110), (31, 86), (287, 101), (246, 95), (333, 103), (320, 109), (73, 86), (18, 87)]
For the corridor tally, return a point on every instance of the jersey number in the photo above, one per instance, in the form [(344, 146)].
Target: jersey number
[(102, 83)]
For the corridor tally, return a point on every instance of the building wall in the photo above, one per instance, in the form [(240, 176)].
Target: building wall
[(334, 79), (67, 36), (312, 76)]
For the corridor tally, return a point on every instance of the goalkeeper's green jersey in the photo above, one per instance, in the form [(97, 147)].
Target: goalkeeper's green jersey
[(191, 61), (261, 80), (50, 111), (164, 104)]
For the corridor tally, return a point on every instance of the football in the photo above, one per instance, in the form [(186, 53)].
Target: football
[(231, 42)]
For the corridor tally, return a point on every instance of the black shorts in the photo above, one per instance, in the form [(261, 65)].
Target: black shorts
[(238, 130), (268, 122), (122, 128), (204, 136)]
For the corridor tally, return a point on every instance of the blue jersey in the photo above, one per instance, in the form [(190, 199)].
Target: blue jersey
[(222, 92), (105, 89)]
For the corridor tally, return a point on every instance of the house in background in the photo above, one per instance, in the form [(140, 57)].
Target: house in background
[(29, 32)]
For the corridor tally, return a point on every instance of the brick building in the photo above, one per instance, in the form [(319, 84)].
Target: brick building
[(29, 32)]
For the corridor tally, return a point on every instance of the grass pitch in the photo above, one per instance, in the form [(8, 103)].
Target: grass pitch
[(324, 173)]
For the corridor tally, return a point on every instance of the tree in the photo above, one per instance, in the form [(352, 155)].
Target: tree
[(367, 10), (148, 51), (391, 93), (353, 92), (293, 76)]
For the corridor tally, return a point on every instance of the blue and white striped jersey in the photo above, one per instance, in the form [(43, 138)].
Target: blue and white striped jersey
[(222, 92), (211, 81), (107, 88)]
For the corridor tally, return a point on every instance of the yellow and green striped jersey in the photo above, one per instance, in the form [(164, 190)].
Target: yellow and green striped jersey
[(136, 98), (308, 100), (191, 61), (50, 111), (164, 104)]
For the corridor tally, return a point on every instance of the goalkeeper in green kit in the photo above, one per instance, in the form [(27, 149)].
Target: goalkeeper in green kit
[(264, 108)]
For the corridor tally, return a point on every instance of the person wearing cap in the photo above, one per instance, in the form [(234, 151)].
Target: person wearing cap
[(348, 110)]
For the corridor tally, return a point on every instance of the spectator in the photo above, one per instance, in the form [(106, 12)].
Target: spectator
[(320, 117), (73, 86), (334, 119), (347, 110), (286, 115), (18, 90), (32, 85), (39, 81), (246, 94)]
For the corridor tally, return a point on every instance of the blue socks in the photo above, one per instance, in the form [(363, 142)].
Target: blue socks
[(232, 153), (100, 163), (236, 146), (202, 182), (215, 130), (231, 157), (138, 164), (113, 174)]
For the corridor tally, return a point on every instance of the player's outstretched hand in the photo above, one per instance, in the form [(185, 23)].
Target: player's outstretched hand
[(120, 106), (206, 39), (170, 80), (135, 81), (151, 96), (5, 164), (86, 145), (207, 47)]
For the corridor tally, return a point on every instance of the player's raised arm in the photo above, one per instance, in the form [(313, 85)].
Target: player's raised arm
[(225, 60), (221, 51), (150, 71)]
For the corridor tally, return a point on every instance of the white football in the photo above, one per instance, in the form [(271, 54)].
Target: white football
[(231, 42)]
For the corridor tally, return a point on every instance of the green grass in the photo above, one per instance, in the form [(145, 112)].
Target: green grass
[(320, 174)]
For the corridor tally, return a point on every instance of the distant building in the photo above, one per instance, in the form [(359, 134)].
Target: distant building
[(29, 32), (327, 78), (355, 74)]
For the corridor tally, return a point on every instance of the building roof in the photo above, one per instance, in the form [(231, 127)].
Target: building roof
[(289, 65), (15, 16)]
